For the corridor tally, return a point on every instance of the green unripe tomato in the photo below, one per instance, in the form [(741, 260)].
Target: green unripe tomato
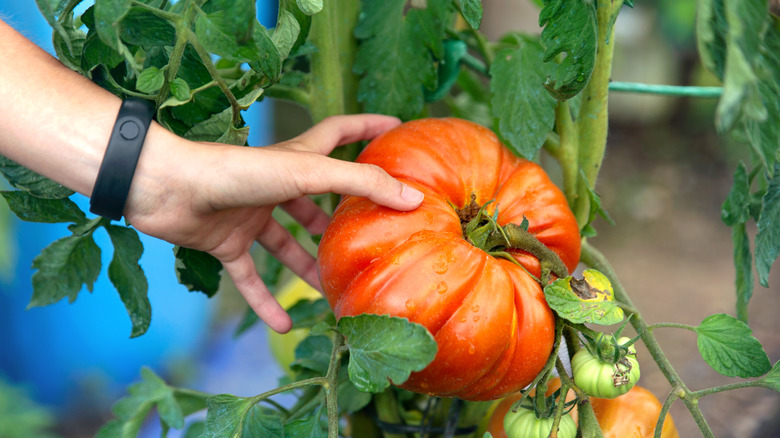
[(603, 379), (524, 424)]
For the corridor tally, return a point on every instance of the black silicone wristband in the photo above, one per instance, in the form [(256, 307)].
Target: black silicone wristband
[(124, 147)]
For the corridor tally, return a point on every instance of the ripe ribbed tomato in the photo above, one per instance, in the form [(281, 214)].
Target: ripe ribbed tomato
[(488, 315)]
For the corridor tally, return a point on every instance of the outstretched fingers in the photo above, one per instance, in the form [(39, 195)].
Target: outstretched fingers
[(340, 130), (283, 246), (244, 274)]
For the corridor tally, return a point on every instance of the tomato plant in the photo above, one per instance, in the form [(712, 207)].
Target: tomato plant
[(434, 267), (472, 295)]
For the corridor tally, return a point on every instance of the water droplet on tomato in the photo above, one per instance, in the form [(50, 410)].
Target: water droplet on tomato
[(472, 349), (463, 319), (440, 267), (441, 287), (410, 304), (475, 308), (476, 318)]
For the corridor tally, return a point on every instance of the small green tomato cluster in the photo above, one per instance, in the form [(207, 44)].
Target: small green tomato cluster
[(603, 379)]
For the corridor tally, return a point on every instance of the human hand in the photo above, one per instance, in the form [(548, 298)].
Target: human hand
[(219, 198)]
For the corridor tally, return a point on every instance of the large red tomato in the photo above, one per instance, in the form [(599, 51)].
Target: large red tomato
[(489, 316)]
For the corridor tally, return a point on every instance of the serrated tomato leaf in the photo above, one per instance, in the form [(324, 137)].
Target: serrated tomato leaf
[(524, 110), (384, 349), (768, 235), (32, 209), (150, 80), (590, 300), (128, 277), (771, 379), (472, 12), (225, 415), (735, 209), (310, 426), (63, 268), (198, 270), (263, 422), (396, 54), (728, 346), (570, 27), (25, 179)]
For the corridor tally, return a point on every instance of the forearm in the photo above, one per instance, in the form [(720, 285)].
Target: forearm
[(53, 120)]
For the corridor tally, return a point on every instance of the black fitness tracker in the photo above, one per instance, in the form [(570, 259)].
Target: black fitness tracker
[(124, 147)]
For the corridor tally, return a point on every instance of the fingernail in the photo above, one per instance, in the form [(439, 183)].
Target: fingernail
[(411, 195)]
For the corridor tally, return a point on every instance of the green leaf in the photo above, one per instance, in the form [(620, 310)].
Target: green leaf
[(472, 12), (396, 54), (286, 32), (384, 349), (236, 18), (96, 53), (20, 415), (227, 28), (128, 277), (52, 11), (735, 209), (150, 80), (219, 127), (108, 15), (747, 22), (303, 20), (198, 270), (310, 7), (307, 313), (569, 27), (152, 391), (63, 268), (310, 426), (69, 44), (590, 300), (180, 90), (743, 264), (269, 63), (263, 422), (32, 209), (143, 28), (771, 379), (711, 29), (768, 235), (350, 399), (524, 110), (25, 179), (728, 346), (313, 353), (225, 415)]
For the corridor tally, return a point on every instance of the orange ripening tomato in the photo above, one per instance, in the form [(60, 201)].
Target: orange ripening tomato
[(631, 415), (488, 315)]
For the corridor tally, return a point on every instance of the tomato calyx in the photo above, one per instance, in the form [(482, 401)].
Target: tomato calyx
[(482, 230)]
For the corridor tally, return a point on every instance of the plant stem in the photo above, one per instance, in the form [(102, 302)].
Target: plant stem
[(670, 399), (592, 120), (292, 94), (667, 90), (183, 25), (670, 325), (331, 387), (595, 259)]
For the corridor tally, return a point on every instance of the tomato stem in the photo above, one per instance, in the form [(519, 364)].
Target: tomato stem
[(482, 230), (595, 259)]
